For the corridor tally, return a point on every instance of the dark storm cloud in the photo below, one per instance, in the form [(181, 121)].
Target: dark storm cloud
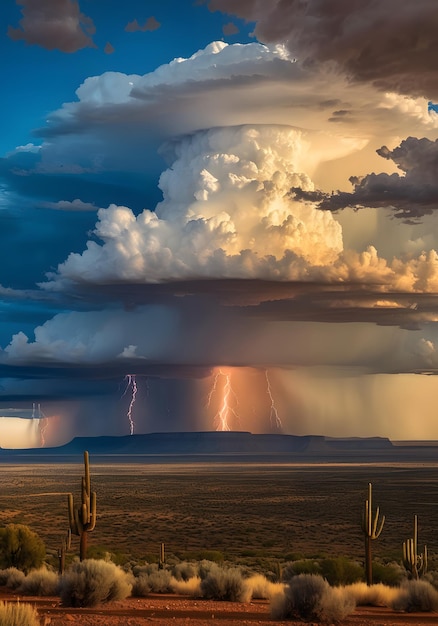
[(411, 195), (185, 330), (54, 25), (151, 24), (390, 43), (271, 300)]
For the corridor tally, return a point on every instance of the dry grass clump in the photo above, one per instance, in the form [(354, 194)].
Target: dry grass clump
[(190, 587), (259, 587), (373, 595), (18, 614)]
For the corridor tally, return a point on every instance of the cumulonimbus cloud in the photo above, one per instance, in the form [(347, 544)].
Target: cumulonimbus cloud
[(227, 213)]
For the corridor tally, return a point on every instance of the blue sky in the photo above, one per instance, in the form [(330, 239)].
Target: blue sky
[(235, 203), (39, 80)]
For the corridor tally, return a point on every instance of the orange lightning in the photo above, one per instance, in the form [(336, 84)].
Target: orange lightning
[(226, 410), (274, 418)]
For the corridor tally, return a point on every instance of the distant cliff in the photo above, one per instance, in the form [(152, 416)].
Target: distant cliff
[(236, 444)]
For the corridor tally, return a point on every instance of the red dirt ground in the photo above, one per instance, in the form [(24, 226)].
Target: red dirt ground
[(166, 610)]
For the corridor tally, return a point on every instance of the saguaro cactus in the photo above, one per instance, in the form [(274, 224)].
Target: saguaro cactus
[(371, 529), (414, 563), (83, 519)]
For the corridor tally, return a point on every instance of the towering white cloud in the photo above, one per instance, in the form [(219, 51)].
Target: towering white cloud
[(225, 213)]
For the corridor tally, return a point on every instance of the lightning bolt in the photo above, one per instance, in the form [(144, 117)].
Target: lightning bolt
[(131, 383), (226, 410), (274, 418), (44, 423)]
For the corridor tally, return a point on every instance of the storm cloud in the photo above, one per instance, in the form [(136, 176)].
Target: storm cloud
[(390, 44), (179, 253)]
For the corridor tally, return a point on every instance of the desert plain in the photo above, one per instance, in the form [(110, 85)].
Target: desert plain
[(255, 515)]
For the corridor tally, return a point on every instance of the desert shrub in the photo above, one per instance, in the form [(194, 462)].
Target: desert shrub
[(40, 582), (336, 603), (337, 571), (340, 571), (140, 586), (190, 587), (224, 584), (310, 597), (159, 581), (302, 597), (20, 547), (11, 577), (372, 595), (205, 567), (90, 582), (302, 566), (146, 569), (149, 580), (18, 614), (431, 577), (184, 571), (416, 595), (391, 574)]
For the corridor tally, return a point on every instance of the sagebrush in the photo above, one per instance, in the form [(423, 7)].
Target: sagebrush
[(310, 597), (416, 595), (90, 582), (11, 577), (40, 582), (224, 584)]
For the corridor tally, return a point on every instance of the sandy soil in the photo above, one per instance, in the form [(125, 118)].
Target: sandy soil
[(165, 610)]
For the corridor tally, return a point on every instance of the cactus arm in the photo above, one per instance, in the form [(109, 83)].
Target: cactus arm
[(376, 533), (71, 516), (87, 472), (92, 521)]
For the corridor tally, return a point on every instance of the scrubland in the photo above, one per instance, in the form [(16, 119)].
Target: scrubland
[(282, 541), (245, 513)]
